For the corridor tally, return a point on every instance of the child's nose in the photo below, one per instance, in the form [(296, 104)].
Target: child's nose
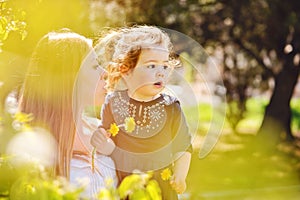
[(160, 72)]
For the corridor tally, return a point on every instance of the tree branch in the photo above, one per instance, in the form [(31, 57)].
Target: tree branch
[(268, 71)]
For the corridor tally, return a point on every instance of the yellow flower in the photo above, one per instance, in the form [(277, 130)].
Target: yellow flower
[(114, 129), (23, 117), (129, 124), (26, 127), (166, 174), (109, 182)]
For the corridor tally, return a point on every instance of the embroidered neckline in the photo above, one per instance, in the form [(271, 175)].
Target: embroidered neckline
[(150, 116)]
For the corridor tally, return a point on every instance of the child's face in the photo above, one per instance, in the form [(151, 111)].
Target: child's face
[(150, 75)]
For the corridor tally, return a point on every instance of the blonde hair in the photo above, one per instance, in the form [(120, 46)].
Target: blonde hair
[(47, 90), (125, 46)]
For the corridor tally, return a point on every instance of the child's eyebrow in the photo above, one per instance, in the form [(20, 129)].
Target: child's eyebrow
[(151, 61)]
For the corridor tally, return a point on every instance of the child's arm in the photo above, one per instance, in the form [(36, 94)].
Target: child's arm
[(180, 171)]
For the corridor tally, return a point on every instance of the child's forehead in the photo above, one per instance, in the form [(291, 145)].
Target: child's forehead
[(156, 47), (154, 54)]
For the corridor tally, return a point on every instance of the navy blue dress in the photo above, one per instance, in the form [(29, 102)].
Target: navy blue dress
[(161, 132)]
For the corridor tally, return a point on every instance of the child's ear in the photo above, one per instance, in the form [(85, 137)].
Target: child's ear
[(124, 72), (123, 69)]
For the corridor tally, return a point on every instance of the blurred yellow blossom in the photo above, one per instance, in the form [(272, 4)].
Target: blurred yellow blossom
[(23, 117), (109, 182), (166, 174), (21, 121), (114, 129), (129, 124)]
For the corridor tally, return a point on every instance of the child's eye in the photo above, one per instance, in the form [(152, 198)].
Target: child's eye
[(165, 66), (150, 66)]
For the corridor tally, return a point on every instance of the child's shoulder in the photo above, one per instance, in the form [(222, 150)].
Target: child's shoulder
[(114, 94), (169, 99), (118, 96)]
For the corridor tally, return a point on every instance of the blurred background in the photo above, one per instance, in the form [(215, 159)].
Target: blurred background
[(255, 49)]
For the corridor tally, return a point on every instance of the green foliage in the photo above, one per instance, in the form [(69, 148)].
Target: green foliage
[(29, 180), (43, 16), (32, 182), (188, 67), (253, 48), (7, 176), (93, 111), (139, 186), (251, 120), (11, 20), (235, 113), (295, 104)]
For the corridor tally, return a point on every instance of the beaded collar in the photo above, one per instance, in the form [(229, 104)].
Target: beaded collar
[(150, 117)]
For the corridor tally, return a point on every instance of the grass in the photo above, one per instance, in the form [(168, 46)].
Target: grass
[(236, 169), (253, 117)]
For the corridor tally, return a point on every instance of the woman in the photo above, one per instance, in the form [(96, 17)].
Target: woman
[(63, 78)]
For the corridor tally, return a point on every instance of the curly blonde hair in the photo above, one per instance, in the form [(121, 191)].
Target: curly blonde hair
[(120, 50)]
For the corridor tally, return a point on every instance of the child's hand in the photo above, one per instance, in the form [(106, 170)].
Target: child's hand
[(178, 184), (101, 141), (99, 136), (180, 171)]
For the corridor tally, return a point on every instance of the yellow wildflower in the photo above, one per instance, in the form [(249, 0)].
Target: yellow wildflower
[(109, 182), (166, 174), (114, 129), (26, 127), (23, 117), (129, 124)]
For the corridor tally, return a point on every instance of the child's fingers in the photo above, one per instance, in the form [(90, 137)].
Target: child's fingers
[(173, 184), (99, 137), (102, 143), (178, 188), (177, 185), (107, 134), (104, 132)]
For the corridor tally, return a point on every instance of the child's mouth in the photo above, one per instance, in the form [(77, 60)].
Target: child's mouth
[(158, 84)]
